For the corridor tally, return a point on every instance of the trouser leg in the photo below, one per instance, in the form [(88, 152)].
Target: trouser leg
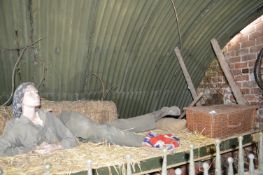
[(85, 128), (137, 124), (115, 136)]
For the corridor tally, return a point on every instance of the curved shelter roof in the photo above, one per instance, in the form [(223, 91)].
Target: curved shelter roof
[(120, 50)]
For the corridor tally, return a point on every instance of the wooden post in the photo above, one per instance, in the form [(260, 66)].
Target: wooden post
[(188, 80), (237, 93), (260, 154), (251, 164), (241, 170), (128, 160), (230, 166), (206, 168), (178, 171), (89, 165), (218, 158), (164, 165), (47, 169), (191, 163), (186, 74)]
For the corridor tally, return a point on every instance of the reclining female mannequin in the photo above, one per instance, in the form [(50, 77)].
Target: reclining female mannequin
[(34, 129)]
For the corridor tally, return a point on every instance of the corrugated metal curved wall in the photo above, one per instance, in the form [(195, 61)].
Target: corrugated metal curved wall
[(126, 44)]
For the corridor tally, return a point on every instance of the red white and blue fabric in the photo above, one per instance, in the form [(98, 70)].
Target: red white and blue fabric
[(168, 141)]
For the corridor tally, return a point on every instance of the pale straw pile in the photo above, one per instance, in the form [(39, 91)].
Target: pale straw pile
[(102, 155)]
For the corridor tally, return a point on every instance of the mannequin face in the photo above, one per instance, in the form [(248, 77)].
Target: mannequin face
[(31, 97)]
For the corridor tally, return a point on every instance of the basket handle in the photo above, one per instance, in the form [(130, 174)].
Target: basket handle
[(231, 125)]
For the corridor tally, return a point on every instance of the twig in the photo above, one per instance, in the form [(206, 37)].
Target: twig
[(109, 90), (27, 46), (102, 85), (14, 69), (178, 26), (43, 78)]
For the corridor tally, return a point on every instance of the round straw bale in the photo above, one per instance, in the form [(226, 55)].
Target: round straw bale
[(99, 111), (5, 115)]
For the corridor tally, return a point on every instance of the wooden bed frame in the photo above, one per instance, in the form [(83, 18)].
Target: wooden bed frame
[(61, 161), (180, 158)]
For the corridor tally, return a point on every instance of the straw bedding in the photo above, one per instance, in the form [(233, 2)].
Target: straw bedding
[(5, 115), (102, 155)]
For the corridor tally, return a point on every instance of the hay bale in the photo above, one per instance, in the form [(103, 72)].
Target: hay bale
[(5, 115), (99, 111)]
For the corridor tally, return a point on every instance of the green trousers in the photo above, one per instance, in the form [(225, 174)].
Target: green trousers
[(120, 131)]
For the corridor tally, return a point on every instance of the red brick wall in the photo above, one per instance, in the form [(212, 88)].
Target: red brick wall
[(240, 53)]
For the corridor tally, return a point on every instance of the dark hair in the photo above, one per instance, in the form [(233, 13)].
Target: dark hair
[(18, 97)]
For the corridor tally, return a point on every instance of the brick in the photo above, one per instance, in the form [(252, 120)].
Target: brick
[(259, 41), (234, 59), (241, 78), (245, 90), (260, 104), (242, 38), (232, 66), (231, 53), (239, 84), (255, 49), (236, 72), (233, 46), (240, 65), (256, 91), (251, 70), (249, 57), (242, 51), (250, 97), (251, 64), (260, 31), (245, 71), (249, 84), (254, 35), (248, 44), (259, 119), (253, 103), (259, 26)]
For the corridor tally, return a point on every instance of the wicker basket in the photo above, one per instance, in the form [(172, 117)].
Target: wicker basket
[(219, 121)]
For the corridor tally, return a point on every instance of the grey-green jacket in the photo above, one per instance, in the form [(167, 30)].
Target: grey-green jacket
[(21, 135)]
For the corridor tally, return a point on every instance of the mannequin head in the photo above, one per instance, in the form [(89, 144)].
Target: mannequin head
[(25, 95), (31, 97)]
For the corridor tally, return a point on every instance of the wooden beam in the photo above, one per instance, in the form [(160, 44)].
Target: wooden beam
[(237, 93), (186, 74)]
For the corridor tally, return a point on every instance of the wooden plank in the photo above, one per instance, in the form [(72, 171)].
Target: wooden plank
[(221, 58), (185, 72)]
